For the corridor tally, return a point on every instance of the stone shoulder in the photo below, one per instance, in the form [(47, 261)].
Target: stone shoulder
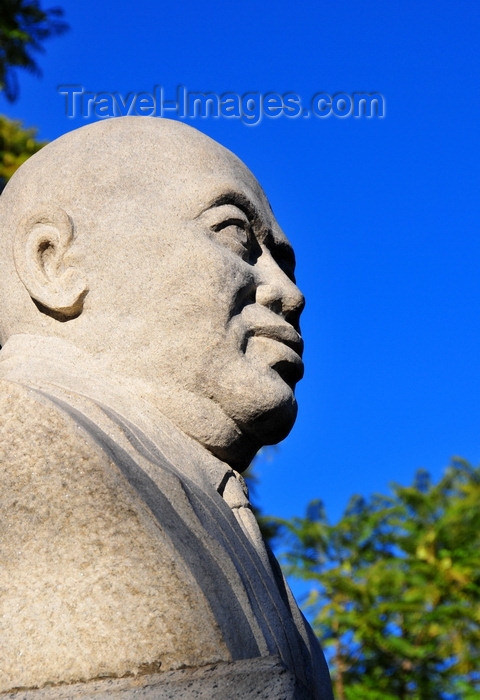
[(31, 425), (90, 585)]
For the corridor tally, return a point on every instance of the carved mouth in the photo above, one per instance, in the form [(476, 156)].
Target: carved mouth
[(290, 367), (290, 372), (286, 335)]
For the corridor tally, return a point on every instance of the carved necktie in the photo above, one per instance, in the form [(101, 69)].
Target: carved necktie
[(235, 493)]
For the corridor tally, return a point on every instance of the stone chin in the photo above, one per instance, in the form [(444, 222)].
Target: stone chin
[(232, 429), (263, 425), (275, 424), (272, 410)]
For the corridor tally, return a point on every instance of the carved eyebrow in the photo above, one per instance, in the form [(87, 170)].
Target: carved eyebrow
[(238, 200)]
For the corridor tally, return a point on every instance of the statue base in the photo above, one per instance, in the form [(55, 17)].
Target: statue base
[(263, 678)]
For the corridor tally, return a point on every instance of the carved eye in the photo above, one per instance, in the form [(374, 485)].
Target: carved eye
[(235, 233)]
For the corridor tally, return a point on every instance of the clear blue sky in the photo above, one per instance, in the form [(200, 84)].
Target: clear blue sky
[(383, 213)]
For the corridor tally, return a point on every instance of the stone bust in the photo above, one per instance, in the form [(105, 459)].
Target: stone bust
[(150, 329)]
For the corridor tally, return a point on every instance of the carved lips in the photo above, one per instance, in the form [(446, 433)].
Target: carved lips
[(289, 366), (285, 334)]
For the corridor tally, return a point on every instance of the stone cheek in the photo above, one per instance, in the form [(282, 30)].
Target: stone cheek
[(90, 585)]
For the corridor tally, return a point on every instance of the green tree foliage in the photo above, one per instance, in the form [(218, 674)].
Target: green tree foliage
[(24, 26), (395, 588), (16, 145)]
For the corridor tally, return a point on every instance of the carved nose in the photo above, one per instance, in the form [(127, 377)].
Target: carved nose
[(284, 299)]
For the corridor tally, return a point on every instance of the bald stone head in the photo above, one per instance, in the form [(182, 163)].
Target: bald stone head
[(154, 250)]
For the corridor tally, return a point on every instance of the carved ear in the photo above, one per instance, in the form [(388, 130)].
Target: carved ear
[(41, 251)]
